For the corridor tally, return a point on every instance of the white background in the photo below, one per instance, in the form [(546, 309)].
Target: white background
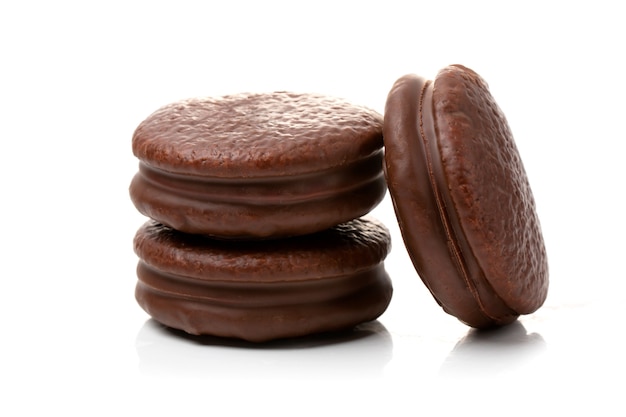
[(76, 79)]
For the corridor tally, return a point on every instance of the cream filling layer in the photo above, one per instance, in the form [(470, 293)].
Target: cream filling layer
[(238, 294), (289, 189)]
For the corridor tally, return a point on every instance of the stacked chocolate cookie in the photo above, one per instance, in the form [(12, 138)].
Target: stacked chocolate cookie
[(256, 203)]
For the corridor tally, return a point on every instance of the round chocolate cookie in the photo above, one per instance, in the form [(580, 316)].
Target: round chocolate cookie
[(258, 165), (462, 198), (263, 290)]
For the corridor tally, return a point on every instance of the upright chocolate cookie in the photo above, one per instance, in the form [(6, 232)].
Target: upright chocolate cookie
[(263, 290), (258, 165), (462, 198)]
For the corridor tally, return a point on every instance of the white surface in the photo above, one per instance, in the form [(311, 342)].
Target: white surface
[(76, 79)]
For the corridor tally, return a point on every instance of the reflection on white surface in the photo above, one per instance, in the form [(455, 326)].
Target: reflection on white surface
[(493, 352), (362, 352)]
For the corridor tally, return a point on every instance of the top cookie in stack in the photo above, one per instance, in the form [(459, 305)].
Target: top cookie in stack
[(258, 166)]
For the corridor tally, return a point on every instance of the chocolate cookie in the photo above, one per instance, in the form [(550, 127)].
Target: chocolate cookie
[(462, 198), (263, 290), (258, 165)]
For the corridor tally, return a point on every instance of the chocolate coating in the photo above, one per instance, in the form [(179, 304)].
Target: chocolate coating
[(258, 165), (462, 198), (257, 135), (263, 290)]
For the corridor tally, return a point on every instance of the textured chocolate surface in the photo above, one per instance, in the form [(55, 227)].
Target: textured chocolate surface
[(258, 166), (489, 188), (462, 198), (263, 290), (257, 135)]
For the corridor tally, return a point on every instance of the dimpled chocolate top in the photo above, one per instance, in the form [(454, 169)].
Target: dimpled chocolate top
[(489, 188), (257, 135), (342, 250)]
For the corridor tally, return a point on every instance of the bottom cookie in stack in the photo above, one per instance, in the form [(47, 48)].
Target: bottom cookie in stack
[(263, 290)]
